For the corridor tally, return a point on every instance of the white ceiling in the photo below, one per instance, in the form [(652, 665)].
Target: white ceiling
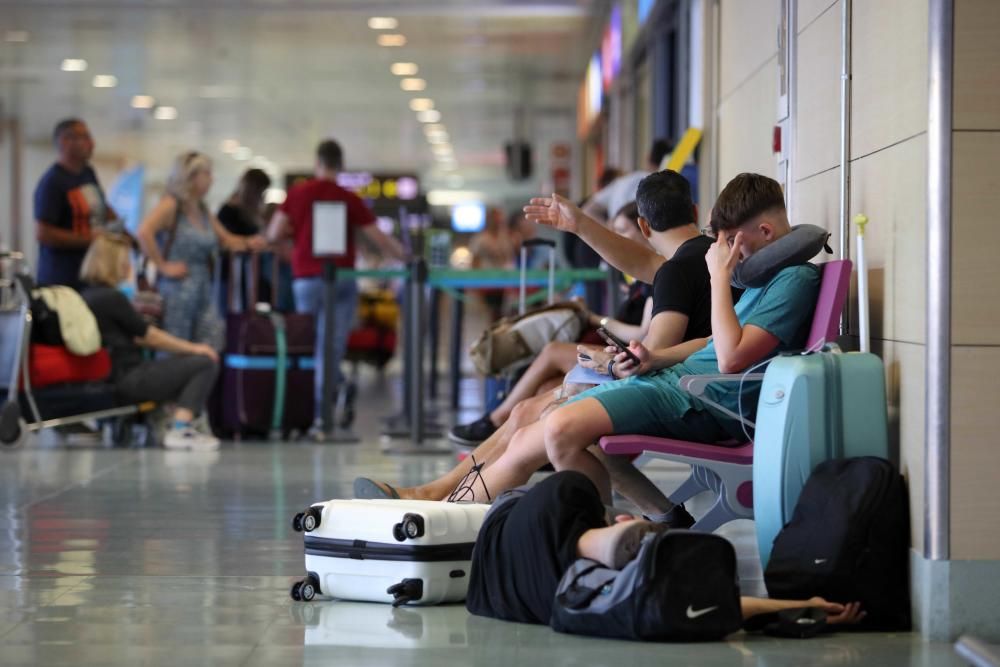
[(277, 75)]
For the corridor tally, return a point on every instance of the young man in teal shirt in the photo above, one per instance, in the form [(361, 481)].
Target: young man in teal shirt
[(748, 215)]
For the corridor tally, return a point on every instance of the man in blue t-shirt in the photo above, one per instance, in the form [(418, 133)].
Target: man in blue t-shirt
[(748, 215), (69, 206)]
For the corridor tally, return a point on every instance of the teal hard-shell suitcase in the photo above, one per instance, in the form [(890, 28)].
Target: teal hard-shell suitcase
[(843, 395)]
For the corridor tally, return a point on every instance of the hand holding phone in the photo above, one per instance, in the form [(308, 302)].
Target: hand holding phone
[(617, 342)]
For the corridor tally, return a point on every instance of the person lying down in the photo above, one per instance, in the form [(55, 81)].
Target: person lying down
[(529, 539)]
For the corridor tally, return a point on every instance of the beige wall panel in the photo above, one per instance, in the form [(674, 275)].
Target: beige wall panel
[(889, 67), (818, 124), (905, 385), (810, 9), (977, 65), (746, 121), (748, 40), (975, 239), (817, 202), (975, 456), (890, 188)]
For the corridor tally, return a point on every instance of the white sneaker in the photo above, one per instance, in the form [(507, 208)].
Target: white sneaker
[(189, 438)]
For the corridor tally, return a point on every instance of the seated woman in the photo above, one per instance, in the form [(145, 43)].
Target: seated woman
[(185, 379), (558, 358), (527, 543)]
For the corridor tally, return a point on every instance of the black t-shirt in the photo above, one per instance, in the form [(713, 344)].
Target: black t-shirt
[(74, 202), (682, 284), (236, 221), (120, 325), (527, 543)]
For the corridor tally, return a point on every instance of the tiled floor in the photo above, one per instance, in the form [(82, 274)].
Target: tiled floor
[(166, 558)]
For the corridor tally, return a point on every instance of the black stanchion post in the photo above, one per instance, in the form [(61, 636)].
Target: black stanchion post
[(329, 331), (433, 340), (455, 353), (418, 274), (614, 294)]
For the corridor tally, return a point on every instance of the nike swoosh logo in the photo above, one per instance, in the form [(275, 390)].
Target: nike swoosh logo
[(820, 561), (691, 613)]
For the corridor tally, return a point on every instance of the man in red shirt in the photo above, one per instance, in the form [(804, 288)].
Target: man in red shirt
[(294, 219)]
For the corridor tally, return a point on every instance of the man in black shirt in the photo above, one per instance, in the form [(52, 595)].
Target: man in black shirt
[(681, 324), (69, 206)]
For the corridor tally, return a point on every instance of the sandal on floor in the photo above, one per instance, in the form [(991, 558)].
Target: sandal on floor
[(623, 544), (369, 488)]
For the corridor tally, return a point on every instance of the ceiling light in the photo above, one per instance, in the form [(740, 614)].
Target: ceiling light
[(229, 146), (242, 153), (404, 69), (412, 84), (442, 150), (421, 104), (74, 65), (391, 40), (165, 113), (382, 23), (105, 81), (16, 36), (143, 102), (429, 116), (433, 127), (438, 138)]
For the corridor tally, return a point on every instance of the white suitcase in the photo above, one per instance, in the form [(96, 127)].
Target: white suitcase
[(397, 551)]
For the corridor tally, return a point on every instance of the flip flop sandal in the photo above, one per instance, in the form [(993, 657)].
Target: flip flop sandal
[(368, 488)]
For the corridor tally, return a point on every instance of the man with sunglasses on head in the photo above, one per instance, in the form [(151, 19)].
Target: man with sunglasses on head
[(70, 206)]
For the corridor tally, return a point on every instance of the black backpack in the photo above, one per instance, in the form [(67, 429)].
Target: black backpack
[(848, 541), (682, 586)]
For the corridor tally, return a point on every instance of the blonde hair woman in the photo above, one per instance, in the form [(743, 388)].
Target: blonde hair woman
[(190, 237), (185, 379)]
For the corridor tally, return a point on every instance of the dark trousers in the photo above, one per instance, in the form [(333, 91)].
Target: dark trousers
[(184, 379)]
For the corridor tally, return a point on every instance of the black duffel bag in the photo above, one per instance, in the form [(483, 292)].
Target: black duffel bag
[(682, 586), (848, 541)]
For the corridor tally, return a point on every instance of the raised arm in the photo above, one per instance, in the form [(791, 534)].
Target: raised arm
[(622, 253), (736, 347)]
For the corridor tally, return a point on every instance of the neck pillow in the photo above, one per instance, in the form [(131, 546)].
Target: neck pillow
[(796, 247)]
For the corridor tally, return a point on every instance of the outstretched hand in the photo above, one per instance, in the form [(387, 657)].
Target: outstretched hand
[(555, 211), (839, 614)]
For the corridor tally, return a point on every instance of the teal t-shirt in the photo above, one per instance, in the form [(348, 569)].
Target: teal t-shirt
[(784, 308)]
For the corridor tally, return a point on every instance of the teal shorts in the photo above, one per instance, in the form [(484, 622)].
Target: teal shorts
[(654, 405)]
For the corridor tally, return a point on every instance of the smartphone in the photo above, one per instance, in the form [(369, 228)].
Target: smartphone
[(617, 342)]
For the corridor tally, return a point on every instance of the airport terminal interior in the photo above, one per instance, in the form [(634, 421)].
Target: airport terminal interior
[(258, 255)]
